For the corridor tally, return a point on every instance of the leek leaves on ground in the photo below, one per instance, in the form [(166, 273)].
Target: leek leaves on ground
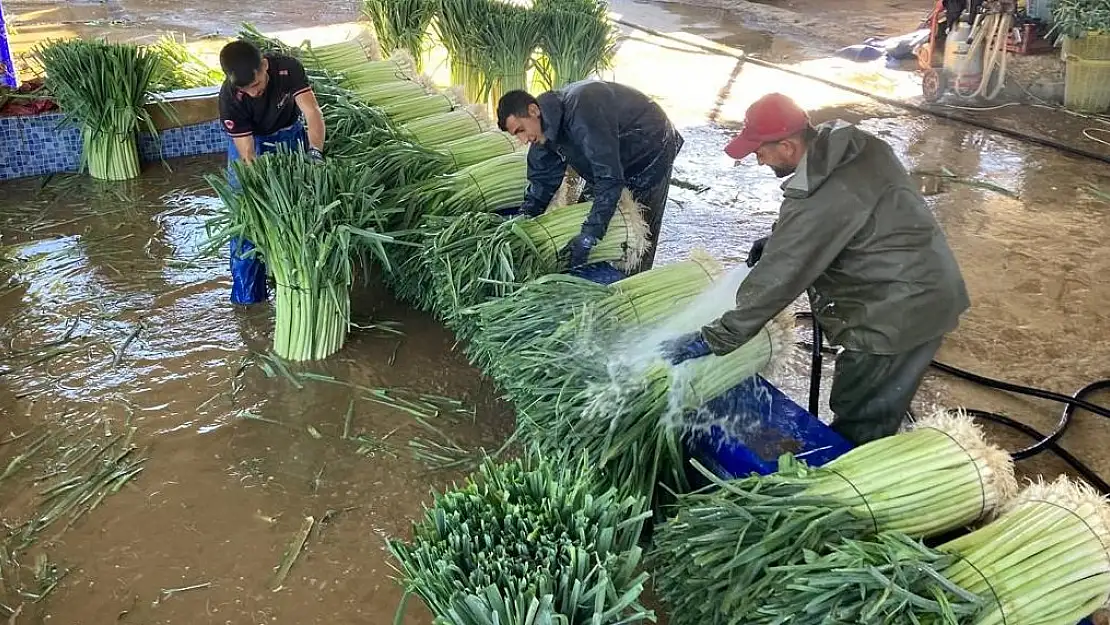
[(1044, 561), (402, 24), (528, 542), (720, 558), (102, 89), (307, 221)]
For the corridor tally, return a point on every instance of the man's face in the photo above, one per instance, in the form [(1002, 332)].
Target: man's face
[(781, 156), (527, 129), (258, 85)]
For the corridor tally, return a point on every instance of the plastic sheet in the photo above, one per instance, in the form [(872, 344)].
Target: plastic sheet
[(248, 275)]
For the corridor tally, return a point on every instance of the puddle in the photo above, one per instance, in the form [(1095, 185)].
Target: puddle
[(235, 459)]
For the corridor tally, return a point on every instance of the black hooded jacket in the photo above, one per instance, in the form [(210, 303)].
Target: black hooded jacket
[(612, 135)]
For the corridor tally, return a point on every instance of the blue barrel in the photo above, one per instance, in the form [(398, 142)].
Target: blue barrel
[(7, 65)]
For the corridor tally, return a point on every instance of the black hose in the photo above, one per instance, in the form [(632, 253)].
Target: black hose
[(947, 114), (816, 368), (1043, 442)]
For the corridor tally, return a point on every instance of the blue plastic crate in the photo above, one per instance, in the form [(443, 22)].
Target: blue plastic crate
[(763, 423)]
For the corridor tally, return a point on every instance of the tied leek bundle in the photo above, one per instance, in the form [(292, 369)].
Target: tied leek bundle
[(508, 36), (344, 56), (496, 183), (528, 340), (306, 221), (447, 127), (102, 88), (355, 128), (1043, 562), (578, 39), (179, 68), (480, 255), (401, 111), (393, 92), (525, 543), (399, 66), (402, 24), (728, 549), (477, 148), (455, 28)]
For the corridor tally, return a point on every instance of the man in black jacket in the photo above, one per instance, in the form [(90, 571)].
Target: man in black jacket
[(612, 135)]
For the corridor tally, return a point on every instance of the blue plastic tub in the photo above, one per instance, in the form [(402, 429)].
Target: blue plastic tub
[(762, 423)]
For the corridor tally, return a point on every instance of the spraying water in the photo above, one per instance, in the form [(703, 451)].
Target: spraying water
[(630, 359)]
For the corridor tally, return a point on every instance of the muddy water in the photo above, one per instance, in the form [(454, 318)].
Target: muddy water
[(235, 459)]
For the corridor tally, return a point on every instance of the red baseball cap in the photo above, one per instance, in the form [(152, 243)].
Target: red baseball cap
[(773, 117)]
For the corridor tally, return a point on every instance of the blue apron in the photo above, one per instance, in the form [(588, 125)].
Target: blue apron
[(248, 275)]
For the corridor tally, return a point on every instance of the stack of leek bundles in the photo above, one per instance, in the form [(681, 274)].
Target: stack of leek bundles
[(1044, 561), (525, 543), (558, 347), (734, 547), (102, 88), (577, 38), (481, 255), (306, 220)]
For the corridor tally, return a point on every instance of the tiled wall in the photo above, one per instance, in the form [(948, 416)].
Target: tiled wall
[(40, 144)]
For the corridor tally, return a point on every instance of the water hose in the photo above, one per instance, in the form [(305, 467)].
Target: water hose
[(1043, 442)]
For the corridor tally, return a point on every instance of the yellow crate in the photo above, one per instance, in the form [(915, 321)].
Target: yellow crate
[(1087, 85)]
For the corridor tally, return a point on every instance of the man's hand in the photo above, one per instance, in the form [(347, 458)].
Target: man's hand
[(685, 347), (577, 252), (315, 155), (756, 252)]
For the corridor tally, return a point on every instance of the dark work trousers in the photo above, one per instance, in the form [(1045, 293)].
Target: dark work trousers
[(650, 190), (871, 393)]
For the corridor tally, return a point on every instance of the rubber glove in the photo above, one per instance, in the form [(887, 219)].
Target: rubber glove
[(685, 347), (756, 252), (577, 252), (316, 156)]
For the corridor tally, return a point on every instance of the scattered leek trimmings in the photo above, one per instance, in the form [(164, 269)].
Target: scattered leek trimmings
[(528, 542)]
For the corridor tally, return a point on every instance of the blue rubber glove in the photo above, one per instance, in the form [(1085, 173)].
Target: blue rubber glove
[(577, 252), (756, 252), (316, 156), (685, 347)]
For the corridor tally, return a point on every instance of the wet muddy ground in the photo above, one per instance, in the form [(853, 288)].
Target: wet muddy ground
[(237, 456)]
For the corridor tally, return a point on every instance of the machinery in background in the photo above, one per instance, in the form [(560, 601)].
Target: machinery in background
[(973, 60), (966, 56)]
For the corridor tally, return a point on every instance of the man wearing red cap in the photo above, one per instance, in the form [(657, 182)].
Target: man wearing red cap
[(854, 232)]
